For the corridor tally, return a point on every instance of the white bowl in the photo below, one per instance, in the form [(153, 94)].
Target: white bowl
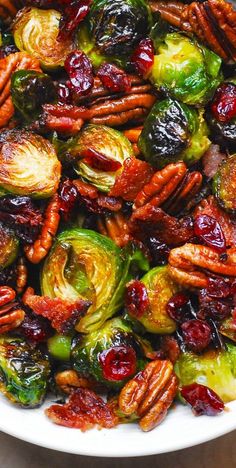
[(180, 430)]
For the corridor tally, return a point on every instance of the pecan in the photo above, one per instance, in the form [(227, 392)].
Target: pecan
[(8, 65), (115, 227), (212, 21), (150, 393), (133, 134), (187, 262), (69, 379), (22, 275), (11, 315)]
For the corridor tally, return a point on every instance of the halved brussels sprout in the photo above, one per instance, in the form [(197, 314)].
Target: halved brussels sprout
[(215, 369), (35, 31), (160, 288), (186, 69), (173, 131), (28, 164), (9, 247), (24, 372), (59, 347), (118, 25), (111, 354), (29, 90), (85, 264), (103, 140), (224, 184), (228, 328)]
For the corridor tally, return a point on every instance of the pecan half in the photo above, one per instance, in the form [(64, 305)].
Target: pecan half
[(11, 315), (212, 21), (187, 262), (69, 379), (115, 227), (149, 394), (8, 65), (22, 275)]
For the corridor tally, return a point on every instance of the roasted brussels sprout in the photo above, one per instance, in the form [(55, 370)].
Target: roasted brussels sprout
[(118, 25), (28, 164), (186, 69), (85, 264), (24, 372), (9, 247), (29, 90), (173, 131), (215, 369), (160, 288), (59, 347), (35, 31), (228, 328), (100, 146), (111, 354), (224, 184)]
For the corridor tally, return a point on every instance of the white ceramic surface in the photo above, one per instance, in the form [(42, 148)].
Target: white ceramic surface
[(180, 430)]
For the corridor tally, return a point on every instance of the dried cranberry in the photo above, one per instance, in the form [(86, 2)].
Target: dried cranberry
[(35, 329), (218, 287), (224, 102), (22, 215), (177, 307), (100, 161), (202, 399), (196, 334), (143, 56), (114, 78), (80, 72), (68, 195), (136, 298), (216, 309), (72, 16), (159, 250), (118, 363), (209, 231), (64, 93)]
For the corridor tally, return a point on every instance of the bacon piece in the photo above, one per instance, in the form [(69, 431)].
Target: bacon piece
[(83, 411), (134, 176)]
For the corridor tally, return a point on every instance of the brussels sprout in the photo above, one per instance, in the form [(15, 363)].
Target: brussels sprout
[(118, 25), (111, 354), (24, 372), (228, 328), (9, 247), (215, 369), (224, 184), (29, 90), (173, 131), (28, 164), (85, 264), (59, 347), (223, 133), (35, 31), (186, 69), (105, 141), (160, 288)]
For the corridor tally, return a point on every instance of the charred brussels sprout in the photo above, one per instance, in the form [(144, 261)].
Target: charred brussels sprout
[(59, 347), (28, 164), (98, 153), (85, 264), (160, 288), (118, 25), (111, 354), (173, 131), (224, 184), (24, 372), (215, 369), (187, 70), (35, 31), (9, 247), (29, 90)]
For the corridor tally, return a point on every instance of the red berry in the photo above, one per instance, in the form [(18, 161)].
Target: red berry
[(196, 334), (224, 102), (74, 11), (118, 363), (79, 68), (100, 161), (143, 56), (35, 329), (176, 307), (209, 231), (114, 78), (219, 287), (136, 298), (64, 93), (68, 195), (202, 399)]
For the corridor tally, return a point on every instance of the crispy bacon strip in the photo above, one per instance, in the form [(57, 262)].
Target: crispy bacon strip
[(134, 176)]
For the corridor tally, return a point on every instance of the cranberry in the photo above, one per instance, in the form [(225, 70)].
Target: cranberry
[(114, 78), (35, 329), (202, 399), (79, 68), (177, 307), (158, 250), (68, 195), (118, 363), (196, 334), (100, 161), (224, 102), (209, 231), (136, 298), (143, 56), (218, 287), (64, 93), (73, 13)]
